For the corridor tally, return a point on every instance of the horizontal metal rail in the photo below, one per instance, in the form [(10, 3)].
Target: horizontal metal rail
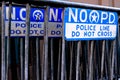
[(61, 3), (56, 58)]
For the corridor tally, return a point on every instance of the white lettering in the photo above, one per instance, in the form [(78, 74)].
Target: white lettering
[(13, 14), (73, 15), (83, 11), (110, 16), (53, 14), (104, 16), (21, 13)]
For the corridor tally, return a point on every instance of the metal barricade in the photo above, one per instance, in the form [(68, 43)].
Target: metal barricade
[(54, 58)]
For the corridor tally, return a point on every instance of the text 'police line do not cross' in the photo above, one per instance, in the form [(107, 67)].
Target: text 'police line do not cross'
[(88, 24), (18, 25), (79, 23)]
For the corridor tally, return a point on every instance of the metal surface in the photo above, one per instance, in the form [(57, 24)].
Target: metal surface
[(72, 4), (8, 40), (71, 59), (37, 59), (102, 59), (52, 64), (78, 61), (54, 58), (46, 45), (91, 61), (27, 41), (21, 60), (3, 62), (63, 56), (59, 60)]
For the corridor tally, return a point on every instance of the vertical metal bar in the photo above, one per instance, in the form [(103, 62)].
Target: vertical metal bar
[(63, 54), (42, 62), (3, 67), (117, 53), (98, 59), (86, 60), (110, 60), (8, 40), (52, 65), (71, 59), (42, 56), (118, 48), (113, 59), (107, 58), (78, 60), (46, 45), (27, 40), (65, 71), (106, 70), (91, 62), (21, 59), (94, 62), (59, 58), (102, 60), (87, 51), (37, 59)]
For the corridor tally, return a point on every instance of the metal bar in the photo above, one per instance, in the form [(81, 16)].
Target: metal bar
[(46, 45), (71, 59), (86, 59), (65, 69), (21, 59), (8, 40), (42, 58), (98, 59), (113, 59), (59, 58), (27, 40), (106, 70), (91, 62), (52, 64), (87, 51), (116, 68), (17, 56), (102, 60), (95, 76), (37, 59), (110, 60), (107, 58), (73, 4), (78, 60), (63, 54), (3, 67), (118, 49)]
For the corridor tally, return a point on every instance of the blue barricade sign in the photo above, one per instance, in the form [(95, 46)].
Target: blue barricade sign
[(18, 24), (55, 22), (88, 24), (18, 18)]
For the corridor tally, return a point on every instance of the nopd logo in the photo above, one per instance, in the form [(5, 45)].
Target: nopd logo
[(38, 15), (94, 16)]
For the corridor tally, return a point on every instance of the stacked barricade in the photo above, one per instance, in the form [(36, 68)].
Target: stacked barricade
[(59, 40)]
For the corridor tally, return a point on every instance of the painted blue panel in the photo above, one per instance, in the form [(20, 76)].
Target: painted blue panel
[(19, 14), (55, 14), (89, 24)]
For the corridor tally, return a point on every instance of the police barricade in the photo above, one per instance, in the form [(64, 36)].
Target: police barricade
[(59, 40)]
